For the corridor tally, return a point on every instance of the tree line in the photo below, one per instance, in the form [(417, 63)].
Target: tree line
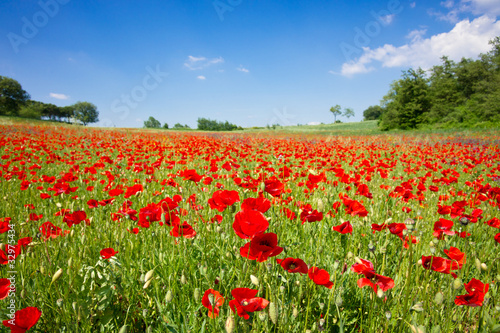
[(451, 94), (204, 124), (16, 102)]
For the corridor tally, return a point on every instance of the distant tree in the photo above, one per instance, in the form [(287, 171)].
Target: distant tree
[(373, 112), (336, 110), (85, 113), (12, 96), (152, 123), (178, 126), (214, 125), (165, 126), (348, 112)]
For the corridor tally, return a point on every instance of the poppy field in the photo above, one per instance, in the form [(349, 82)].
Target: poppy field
[(158, 231)]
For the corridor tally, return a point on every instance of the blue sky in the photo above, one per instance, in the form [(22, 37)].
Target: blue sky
[(250, 62)]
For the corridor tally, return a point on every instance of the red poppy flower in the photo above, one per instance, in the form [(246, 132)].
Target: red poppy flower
[(476, 291), (494, 222), (260, 204), (212, 300), (310, 215), (397, 229), (24, 242), (183, 230), (320, 276), (379, 227), (23, 320), (274, 187), (293, 265), (249, 223), (344, 228), (443, 265), (133, 190), (222, 199), (75, 218), (49, 230), (289, 214), (191, 175), (261, 247), (497, 237), (92, 203), (353, 207), (108, 253), (4, 288), (4, 227), (371, 278), (245, 301), (443, 227)]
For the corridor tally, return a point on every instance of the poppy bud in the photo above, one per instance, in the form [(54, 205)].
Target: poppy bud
[(371, 247), (457, 283), (148, 275), (338, 301), (295, 312), (273, 312), (196, 295), (484, 267), (169, 296), (350, 255), (254, 280), (380, 293), (388, 315), (418, 307), (57, 275), (229, 324), (124, 329), (464, 221), (336, 264), (477, 262), (183, 279), (357, 260), (60, 302), (262, 316), (438, 298), (320, 205), (148, 282)]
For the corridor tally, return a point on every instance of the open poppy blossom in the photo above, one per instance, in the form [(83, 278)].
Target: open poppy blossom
[(446, 266), (24, 319), (293, 265), (274, 187), (212, 300), (4, 288), (183, 230), (371, 279), (443, 227), (245, 301), (344, 228), (222, 199), (476, 291), (249, 223), (320, 276), (261, 247), (107, 253)]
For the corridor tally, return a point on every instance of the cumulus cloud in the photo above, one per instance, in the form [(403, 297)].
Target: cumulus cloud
[(59, 96), (466, 39), (196, 63), (487, 7), (242, 69), (201, 77)]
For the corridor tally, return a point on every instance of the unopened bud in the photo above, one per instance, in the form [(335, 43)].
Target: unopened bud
[(484, 267), (254, 280), (229, 324), (183, 279), (148, 275), (169, 296), (57, 275), (124, 329), (273, 312), (457, 283), (477, 262), (196, 294), (438, 298), (148, 282)]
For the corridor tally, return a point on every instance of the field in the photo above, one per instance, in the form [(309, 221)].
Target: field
[(269, 231)]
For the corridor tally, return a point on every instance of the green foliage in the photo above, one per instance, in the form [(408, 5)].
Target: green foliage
[(152, 123), (452, 94), (336, 110), (85, 113), (373, 112), (180, 126), (348, 113), (12, 96), (165, 126), (214, 125)]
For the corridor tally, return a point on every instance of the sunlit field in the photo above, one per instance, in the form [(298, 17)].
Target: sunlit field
[(161, 231)]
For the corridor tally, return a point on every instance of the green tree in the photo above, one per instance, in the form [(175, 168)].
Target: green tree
[(152, 123), (348, 112), (85, 113), (165, 126), (407, 102), (336, 110), (12, 96), (373, 112)]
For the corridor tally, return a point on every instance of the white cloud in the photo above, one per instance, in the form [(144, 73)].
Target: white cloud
[(201, 77), (313, 123), (387, 19), (195, 63), (242, 69), (59, 96), (487, 7), (466, 39), (448, 3)]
